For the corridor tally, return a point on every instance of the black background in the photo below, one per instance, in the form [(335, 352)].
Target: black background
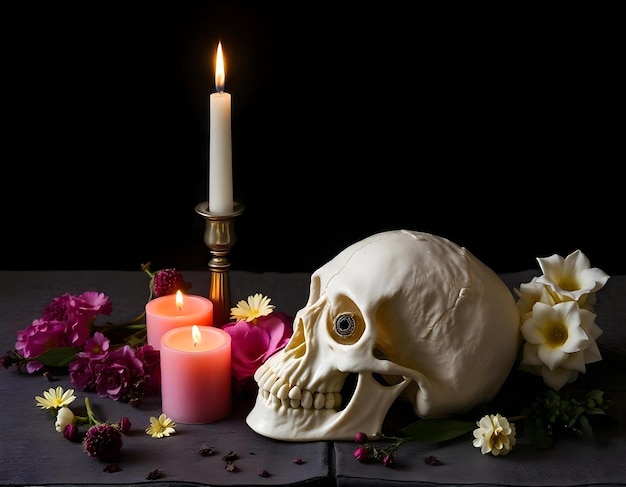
[(498, 128)]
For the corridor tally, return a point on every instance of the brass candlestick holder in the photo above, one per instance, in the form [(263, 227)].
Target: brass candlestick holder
[(219, 237)]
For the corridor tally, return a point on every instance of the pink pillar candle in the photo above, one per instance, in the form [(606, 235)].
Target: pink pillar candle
[(164, 314), (196, 374)]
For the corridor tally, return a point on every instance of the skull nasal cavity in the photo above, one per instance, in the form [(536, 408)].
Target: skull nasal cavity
[(297, 343)]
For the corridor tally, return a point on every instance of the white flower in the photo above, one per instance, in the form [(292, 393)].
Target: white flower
[(560, 340), (572, 278), (256, 306), (55, 398), (530, 293), (161, 426), (494, 435), (65, 416)]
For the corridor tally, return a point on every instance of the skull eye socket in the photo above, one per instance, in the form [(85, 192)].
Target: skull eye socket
[(345, 324), (347, 328)]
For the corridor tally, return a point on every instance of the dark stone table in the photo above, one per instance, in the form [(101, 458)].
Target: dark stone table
[(33, 453)]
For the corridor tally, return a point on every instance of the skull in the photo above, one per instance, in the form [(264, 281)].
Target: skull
[(407, 315)]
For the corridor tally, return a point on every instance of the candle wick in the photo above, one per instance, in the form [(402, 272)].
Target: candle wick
[(180, 308), (194, 344)]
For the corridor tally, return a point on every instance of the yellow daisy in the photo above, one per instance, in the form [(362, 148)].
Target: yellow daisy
[(55, 398), (256, 306), (161, 426)]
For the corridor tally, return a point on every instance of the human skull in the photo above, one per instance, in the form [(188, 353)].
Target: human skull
[(412, 315)]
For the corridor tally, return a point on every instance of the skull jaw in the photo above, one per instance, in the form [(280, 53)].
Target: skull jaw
[(365, 412)]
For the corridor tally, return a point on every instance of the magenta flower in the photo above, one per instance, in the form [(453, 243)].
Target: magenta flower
[(254, 342), (65, 322), (38, 338), (97, 345)]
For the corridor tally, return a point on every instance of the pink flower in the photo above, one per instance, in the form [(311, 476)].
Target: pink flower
[(253, 343)]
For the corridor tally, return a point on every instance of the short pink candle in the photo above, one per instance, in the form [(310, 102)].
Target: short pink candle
[(164, 314), (196, 374)]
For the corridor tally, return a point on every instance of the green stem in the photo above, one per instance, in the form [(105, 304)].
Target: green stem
[(81, 419), (146, 269), (91, 417)]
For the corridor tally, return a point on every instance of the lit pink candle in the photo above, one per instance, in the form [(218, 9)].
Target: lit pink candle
[(173, 311), (196, 374)]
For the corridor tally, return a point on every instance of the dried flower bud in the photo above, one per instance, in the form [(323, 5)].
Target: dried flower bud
[(124, 424), (361, 437), (71, 432), (388, 459), (362, 454), (264, 473)]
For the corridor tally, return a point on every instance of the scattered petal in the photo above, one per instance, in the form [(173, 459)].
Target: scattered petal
[(206, 451), (432, 460), (154, 474), (231, 456)]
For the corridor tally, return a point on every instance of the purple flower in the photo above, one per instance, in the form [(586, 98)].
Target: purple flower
[(103, 442), (38, 338), (115, 375), (168, 281), (84, 368), (252, 344), (151, 361)]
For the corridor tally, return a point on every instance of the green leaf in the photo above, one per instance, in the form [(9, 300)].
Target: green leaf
[(57, 357), (539, 434), (435, 430), (587, 432)]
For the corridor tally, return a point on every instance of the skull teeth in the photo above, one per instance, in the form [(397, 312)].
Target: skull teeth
[(278, 392)]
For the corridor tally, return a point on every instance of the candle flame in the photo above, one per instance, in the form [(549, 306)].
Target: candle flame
[(179, 300), (196, 335), (220, 73)]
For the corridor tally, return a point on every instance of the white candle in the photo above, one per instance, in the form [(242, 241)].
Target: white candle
[(220, 146)]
